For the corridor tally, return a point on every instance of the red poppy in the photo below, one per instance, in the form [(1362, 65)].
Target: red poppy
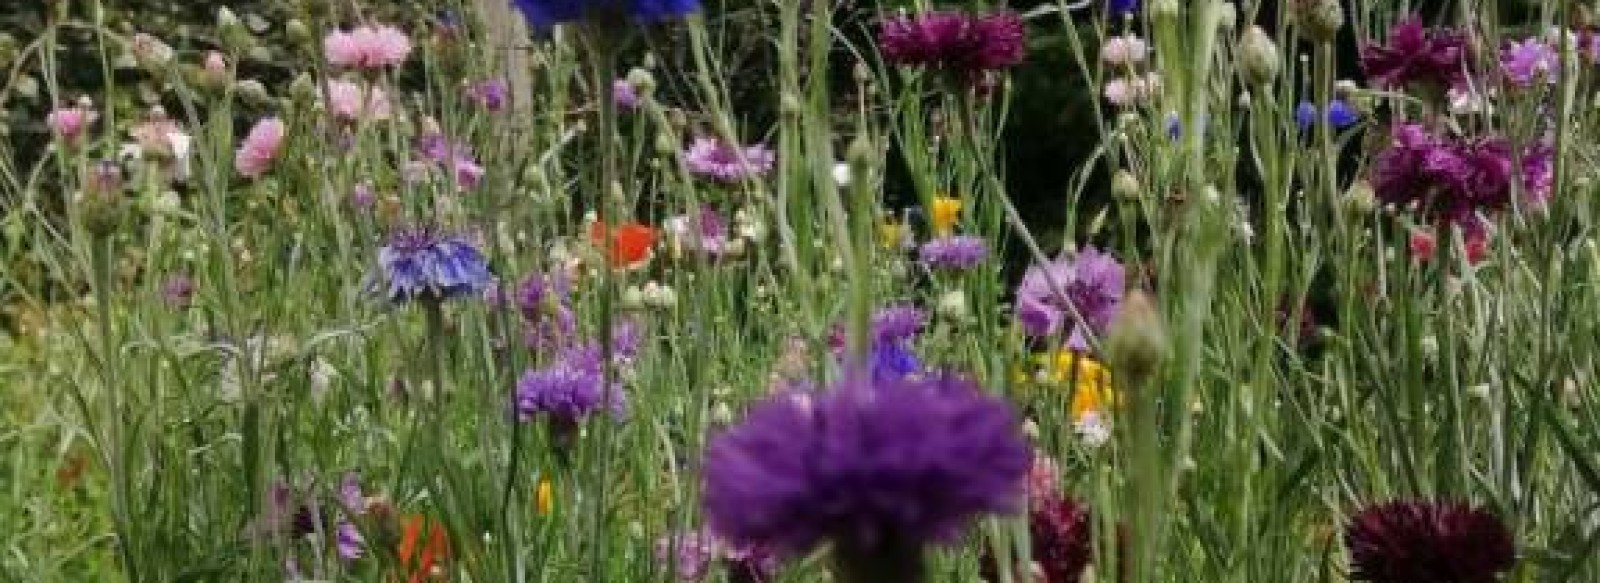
[(426, 563), (627, 246)]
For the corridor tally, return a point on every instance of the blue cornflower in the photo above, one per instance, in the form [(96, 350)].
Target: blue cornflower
[(1339, 113), (420, 264), (544, 13), (1121, 7)]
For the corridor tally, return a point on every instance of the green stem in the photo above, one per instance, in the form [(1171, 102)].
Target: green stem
[(115, 448)]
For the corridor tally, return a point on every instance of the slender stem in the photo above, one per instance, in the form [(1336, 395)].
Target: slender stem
[(115, 447)]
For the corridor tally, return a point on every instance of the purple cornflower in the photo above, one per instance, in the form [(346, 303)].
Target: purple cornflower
[(728, 163), (178, 291), (880, 469), (1530, 61), (456, 159), (347, 538), (1340, 115), (898, 323), (545, 304), (623, 94), (1453, 179), (492, 94), (545, 13), (954, 253), (965, 44), (363, 196), (710, 236), (1428, 542), (1416, 55), (566, 393), (1091, 283), (421, 264)]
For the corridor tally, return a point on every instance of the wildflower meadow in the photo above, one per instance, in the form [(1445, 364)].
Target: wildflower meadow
[(755, 291)]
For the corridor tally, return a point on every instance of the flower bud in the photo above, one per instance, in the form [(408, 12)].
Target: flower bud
[(299, 34), (643, 82), (236, 36), (1125, 186), (1258, 57), (1137, 342), (100, 202), (253, 92), (151, 53), (1319, 20), (1360, 200)]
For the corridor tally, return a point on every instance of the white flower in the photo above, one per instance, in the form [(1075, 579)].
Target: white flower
[(1092, 429), (841, 174)]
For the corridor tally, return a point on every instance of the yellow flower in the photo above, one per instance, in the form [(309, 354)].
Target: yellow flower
[(1087, 380), (544, 498), (943, 214), (892, 234)]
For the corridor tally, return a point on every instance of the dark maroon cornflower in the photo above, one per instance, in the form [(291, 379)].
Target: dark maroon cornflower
[(1058, 530), (968, 45), (1416, 56), (1454, 180), (1428, 542), (878, 467)]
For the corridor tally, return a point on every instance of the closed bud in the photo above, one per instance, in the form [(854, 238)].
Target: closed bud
[(860, 156), (151, 53), (1228, 17), (1360, 200), (1259, 60), (643, 82), (1125, 186), (303, 89), (100, 202), (1319, 20), (300, 34), (790, 104), (253, 93), (236, 36), (1137, 342)]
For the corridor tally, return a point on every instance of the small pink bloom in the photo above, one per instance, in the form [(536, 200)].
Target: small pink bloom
[(260, 148), (215, 67), (1120, 51), (1131, 91), (351, 101), (367, 47), (1422, 246), (69, 123), (623, 95)]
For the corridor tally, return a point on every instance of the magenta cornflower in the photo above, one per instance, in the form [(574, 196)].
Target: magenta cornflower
[(728, 163), (1089, 283), (1454, 179), (954, 253), (966, 44), (491, 95), (1416, 56), (367, 47), (260, 148), (1428, 542), (879, 468), (694, 554)]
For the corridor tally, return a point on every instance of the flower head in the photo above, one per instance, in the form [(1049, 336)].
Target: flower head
[(954, 253), (1530, 61), (566, 393), (490, 94), (625, 246), (624, 95), (350, 101), (1090, 283), (1124, 51), (367, 47), (69, 123), (943, 214), (420, 264), (1416, 55), (260, 148), (424, 548), (728, 163), (1339, 115), (1428, 542), (707, 233), (178, 291), (1453, 179), (544, 13), (1058, 530), (889, 464), (966, 44), (694, 554)]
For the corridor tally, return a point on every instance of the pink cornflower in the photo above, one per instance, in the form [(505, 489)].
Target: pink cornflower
[(260, 148), (1530, 61), (367, 47), (69, 123), (714, 159), (1121, 51), (351, 101), (1131, 91)]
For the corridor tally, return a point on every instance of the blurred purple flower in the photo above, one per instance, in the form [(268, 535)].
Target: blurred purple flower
[(492, 94), (728, 163), (954, 253), (1091, 283), (178, 291), (1530, 61), (623, 94), (545, 13), (898, 323), (697, 552), (1454, 179), (567, 394), (875, 467), (1121, 8), (711, 238)]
